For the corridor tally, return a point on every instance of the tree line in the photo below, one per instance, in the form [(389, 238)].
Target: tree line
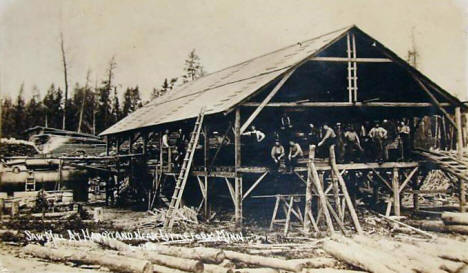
[(91, 108)]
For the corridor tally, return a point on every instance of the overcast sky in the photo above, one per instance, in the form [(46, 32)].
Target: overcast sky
[(151, 39)]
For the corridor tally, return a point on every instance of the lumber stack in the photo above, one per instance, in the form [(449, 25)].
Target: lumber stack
[(382, 255)]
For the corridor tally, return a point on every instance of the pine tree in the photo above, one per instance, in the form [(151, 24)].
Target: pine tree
[(53, 107), (116, 112), (8, 126), (132, 101), (193, 68), (19, 112), (34, 110)]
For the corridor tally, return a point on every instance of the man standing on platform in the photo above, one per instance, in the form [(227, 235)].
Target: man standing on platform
[(378, 135), (328, 139), (404, 132)]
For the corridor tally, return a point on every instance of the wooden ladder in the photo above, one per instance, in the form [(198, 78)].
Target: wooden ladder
[(184, 171), (30, 183)]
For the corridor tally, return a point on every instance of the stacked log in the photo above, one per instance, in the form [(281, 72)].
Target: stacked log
[(384, 255)]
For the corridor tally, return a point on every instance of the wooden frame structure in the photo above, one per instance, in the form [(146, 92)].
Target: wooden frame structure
[(325, 182)]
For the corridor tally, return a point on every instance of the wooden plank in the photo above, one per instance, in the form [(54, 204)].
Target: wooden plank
[(237, 162), (288, 216), (353, 59), (347, 104), (308, 193), (322, 198), (275, 212), (344, 189), (266, 100), (408, 179), (231, 191), (254, 185), (396, 192)]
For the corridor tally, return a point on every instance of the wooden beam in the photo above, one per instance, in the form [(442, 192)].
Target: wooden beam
[(237, 163), (382, 179), (323, 201), (396, 192), (344, 60), (459, 132), (408, 178), (434, 99), (231, 191), (254, 185), (308, 193), (266, 100), (344, 189), (347, 104)]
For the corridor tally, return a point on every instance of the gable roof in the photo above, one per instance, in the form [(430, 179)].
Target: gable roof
[(226, 88)]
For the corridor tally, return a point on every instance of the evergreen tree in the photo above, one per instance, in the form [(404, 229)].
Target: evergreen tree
[(116, 112), (132, 101), (193, 68), (8, 126), (34, 110), (53, 107), (19, 111)]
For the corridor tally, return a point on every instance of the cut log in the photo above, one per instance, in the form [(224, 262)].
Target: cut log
[(188, 265), (113, 262), (455, 218), (418, 260), (213, 268), (358, 256), (204, 254), (330, 270), (112, 243), (452, 252), (163, 269), (55, 214), (256, 270), (439, 226), (72, 243), (227, 263), (264, 261), (316, 262)]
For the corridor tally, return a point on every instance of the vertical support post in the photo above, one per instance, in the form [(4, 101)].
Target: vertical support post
[(145, 143), (355, 88), (396, 192), (459, 132), (460, 155), (237, 158), (107, 145), (205, 156), (308, 193)]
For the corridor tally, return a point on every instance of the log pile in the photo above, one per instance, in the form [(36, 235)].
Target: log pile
[(13, 147), (383, 255), (150, 257), (451, 222)]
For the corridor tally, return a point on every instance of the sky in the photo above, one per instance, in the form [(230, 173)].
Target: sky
[(151, 39)]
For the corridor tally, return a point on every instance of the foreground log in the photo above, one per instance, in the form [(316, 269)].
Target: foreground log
[(188, 265), (204, 254), (256, 270), (316, 262), (455, 218), (264, 261), (113, 262), (112, 243), (358, 256), (213, 268), (72, 243), (452, 252), (416, 258), (330, 270), (163, 269)]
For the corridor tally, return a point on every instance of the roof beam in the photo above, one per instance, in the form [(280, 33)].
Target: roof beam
[(346, 104), (344, 59), (266, 100)]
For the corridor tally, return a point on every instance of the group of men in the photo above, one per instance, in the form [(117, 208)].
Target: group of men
[(383, 141)]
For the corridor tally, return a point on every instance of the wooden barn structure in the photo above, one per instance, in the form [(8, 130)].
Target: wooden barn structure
[(342, 77)]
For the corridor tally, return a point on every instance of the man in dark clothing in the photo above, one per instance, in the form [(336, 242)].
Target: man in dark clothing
[(329, 139), (340, 143), (314, 136)]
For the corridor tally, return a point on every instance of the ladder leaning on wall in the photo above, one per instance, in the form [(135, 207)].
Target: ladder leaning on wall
[(184, 171)]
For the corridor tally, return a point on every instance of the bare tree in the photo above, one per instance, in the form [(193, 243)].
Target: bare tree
[(65, 74), (85, 93)]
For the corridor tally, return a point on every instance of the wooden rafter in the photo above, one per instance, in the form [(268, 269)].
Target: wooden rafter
[(266, 100), (255, 184), (344, 59)]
